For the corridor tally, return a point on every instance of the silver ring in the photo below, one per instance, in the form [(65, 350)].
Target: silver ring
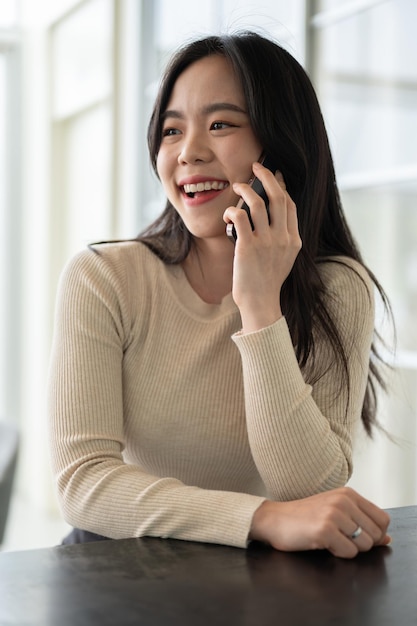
[(357, 532)]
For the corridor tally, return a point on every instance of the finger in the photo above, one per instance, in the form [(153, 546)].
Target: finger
[(361, 529), (292, 224), (279, 200), (279, 177), (342, 546), (347, 538), (363, 513), (374, 519), (292, 217), (379, 515), (256, 206), (239, 218), (368, 528), (362, 539), (385, 541)]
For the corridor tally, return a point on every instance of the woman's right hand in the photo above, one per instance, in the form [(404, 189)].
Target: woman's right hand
[(265, 256), (323, 521)]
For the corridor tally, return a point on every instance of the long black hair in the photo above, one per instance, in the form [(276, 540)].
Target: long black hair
[(286, 118)]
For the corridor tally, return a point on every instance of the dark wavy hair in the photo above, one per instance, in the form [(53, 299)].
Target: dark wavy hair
[(286, 118)]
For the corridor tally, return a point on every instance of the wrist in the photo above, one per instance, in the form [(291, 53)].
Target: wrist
[(261, 319), (258, 530)]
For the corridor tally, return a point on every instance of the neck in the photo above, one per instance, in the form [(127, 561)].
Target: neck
[(209, 269)]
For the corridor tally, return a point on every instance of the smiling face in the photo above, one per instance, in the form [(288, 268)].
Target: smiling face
[(207, 145)]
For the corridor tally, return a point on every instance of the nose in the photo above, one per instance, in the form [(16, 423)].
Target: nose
[(194, 149)]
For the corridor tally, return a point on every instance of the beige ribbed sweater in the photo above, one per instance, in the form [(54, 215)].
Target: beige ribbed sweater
[(165, 422)]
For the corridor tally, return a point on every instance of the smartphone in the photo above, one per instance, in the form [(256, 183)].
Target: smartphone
[(257, 186)]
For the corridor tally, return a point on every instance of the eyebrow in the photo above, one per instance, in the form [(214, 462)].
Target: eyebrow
[(210, 108)]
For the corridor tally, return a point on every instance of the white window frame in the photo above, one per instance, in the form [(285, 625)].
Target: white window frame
[(11, 349), (382, 484)]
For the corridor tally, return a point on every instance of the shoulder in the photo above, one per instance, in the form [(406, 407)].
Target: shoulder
[(117, 261), (346, 277), (126, 253), (120, 275), (349, 298), (109, 281), (349, 294)]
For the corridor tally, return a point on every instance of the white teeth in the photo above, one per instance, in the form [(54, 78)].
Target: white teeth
[(206, 186)]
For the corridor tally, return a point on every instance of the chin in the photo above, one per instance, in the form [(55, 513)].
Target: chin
[(204, 229), (208, 233)]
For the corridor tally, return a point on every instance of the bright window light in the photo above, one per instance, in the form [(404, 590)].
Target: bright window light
[(8, 13)]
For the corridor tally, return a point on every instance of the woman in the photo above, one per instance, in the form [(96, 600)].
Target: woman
[(207, 391)]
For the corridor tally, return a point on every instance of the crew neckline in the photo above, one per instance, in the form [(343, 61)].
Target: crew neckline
[(189, 299)]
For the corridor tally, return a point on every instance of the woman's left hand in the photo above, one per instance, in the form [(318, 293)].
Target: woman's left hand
[(263, 257), (340, 520)]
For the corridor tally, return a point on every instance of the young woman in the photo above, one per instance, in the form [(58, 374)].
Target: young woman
[(205, 390)]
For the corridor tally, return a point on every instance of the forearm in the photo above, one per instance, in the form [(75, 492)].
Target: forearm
[(297, 449), (99, 492)]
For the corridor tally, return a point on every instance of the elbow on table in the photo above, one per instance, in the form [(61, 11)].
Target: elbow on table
[(296, 487)]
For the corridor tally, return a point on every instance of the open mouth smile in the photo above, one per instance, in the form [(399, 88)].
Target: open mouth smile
[(190, 189)]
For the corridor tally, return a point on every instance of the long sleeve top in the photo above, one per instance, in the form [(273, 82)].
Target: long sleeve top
[(166, 421)]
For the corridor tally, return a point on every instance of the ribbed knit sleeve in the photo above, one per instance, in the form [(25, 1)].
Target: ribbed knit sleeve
[(300, 424), (105, 306)]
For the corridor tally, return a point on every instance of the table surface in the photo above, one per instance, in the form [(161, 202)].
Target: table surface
[(158, 582)]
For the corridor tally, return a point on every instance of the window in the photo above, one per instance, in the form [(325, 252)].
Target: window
[(82, 116), (3, 235), (364, 70), (9, 212), (9, 10)]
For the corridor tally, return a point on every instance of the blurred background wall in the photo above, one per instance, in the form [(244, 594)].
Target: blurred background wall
[(77, 82)]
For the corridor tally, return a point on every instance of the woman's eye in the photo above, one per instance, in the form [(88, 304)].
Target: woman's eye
[(169, 132), (220, 125)]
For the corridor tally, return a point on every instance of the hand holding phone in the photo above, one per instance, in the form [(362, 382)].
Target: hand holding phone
[(257, 186)]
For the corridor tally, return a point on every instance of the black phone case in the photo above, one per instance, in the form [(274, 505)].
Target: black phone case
[(257, 186)]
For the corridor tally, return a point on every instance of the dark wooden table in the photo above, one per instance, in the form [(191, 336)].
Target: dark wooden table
[(157, 582)]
